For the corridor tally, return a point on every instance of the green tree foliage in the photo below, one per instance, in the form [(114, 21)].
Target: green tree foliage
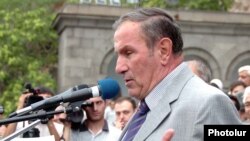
[(212, 5), (28, 44), (28, 48)]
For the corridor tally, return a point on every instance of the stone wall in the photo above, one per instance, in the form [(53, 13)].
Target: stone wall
[(220, 40)]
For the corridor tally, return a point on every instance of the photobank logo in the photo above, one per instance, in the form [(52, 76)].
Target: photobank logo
[(221, 132)]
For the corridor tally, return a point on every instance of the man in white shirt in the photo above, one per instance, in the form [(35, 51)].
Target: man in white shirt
[(50, 128), (94, 127)]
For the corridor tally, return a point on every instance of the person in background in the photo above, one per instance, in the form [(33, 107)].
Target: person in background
[(242, 111), (125, 107), (235, 101), (2, 127), (246, 101), (57, 117), (200, 69), (173, 101), (109, 114), (244, 74), (46, 129), (217, 83), (94, 127), (236, 87)]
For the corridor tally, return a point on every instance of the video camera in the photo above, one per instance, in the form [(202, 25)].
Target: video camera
[(34, 97), (34, 132), (76, 116)]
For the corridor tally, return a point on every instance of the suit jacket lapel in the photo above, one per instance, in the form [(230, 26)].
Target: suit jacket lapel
[(161, 111), (153, 119)]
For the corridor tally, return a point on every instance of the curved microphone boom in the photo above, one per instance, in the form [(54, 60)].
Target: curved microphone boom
[(106, 88)]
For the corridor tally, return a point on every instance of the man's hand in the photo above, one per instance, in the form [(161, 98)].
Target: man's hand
[(168, 135), (119, 124)]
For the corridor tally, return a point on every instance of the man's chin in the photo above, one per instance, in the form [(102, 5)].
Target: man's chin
[(130, 93), (96, 119)]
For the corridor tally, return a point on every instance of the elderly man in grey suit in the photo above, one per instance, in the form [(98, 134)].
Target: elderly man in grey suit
[(148, 44)]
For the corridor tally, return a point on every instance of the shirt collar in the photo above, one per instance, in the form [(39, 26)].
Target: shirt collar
[(83, 127)]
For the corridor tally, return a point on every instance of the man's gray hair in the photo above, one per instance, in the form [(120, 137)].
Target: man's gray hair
[(245, 68), (155, 24)]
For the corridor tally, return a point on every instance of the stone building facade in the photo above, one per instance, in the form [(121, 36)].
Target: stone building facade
[(220, 40)]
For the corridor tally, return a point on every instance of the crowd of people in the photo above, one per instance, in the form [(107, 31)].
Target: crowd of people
[(236, 91), (105, 120), (93, 126), (168, 98)]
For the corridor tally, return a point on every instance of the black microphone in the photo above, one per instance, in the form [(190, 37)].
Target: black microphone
[(107, 88), (42, 103)]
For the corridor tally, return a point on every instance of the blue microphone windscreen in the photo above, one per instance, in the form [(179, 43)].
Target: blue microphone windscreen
[(109, 88)]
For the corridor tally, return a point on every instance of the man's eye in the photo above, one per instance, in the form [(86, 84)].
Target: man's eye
[(128, 52), (247, 104), (126, 112)]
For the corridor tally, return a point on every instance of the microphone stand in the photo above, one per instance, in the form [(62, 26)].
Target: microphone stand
[(38, 117), (21, 131)]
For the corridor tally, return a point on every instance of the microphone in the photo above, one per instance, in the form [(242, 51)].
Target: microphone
[(106, 88), (42, 103)]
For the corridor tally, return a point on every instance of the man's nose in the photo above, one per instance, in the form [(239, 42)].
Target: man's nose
[(121, 66)]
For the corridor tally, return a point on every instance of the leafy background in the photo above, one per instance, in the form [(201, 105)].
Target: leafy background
[(29, 46)]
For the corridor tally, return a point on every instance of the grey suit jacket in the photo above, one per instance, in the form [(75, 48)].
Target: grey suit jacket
[(188, 104)]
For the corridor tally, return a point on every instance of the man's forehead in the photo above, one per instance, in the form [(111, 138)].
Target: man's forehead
[(95, 99), (124, 104), (244, 72)]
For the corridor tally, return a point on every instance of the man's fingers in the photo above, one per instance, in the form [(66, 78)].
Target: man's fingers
[(168, 135)]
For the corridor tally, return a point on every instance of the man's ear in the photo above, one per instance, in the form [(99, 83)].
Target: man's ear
[(165, 50)]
